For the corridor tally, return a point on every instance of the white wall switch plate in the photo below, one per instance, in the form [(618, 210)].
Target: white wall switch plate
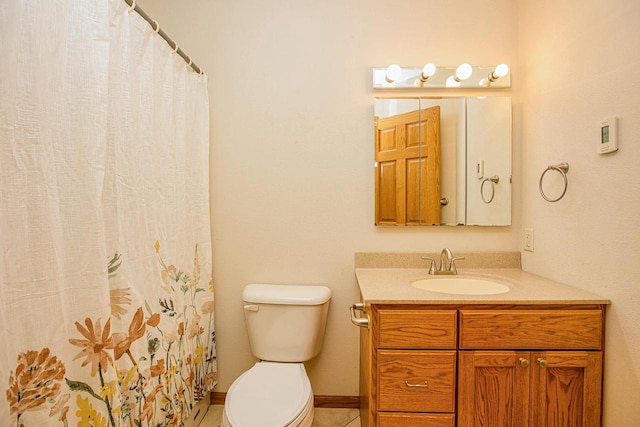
[(527, 243), (480, 169)]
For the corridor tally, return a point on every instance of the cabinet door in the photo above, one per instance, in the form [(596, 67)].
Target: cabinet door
[(493, 389), (566, 389)]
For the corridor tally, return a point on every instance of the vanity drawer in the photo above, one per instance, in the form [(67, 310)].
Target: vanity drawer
[(416, 380), (387, 419), (433, 329), (531, 329)]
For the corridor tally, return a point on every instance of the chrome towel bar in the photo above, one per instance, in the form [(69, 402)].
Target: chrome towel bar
[(493, 180), (362, 322)]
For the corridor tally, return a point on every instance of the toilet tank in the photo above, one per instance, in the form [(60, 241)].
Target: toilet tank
[(286, 323)]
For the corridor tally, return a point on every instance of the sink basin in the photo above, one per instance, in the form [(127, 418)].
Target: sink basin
[(460, 285)]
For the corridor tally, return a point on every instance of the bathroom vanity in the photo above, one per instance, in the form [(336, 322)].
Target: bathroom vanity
[(532, 356)]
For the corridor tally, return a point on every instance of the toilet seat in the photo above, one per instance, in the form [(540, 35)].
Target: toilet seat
[(270, 394)]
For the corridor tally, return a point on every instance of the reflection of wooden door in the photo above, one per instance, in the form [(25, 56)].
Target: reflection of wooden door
[(407, 153)]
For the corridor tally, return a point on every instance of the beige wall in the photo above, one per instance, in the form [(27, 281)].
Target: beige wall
[(292, 152), (580, 64)]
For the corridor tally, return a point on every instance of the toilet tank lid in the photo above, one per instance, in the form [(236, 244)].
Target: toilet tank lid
[(286, 294)]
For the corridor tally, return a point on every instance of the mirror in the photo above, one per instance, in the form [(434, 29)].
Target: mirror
[(443, 161)]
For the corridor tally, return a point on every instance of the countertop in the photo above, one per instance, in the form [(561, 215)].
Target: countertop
[(393, 286)]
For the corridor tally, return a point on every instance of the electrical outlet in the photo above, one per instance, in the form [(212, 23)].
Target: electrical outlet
[(528, 239)]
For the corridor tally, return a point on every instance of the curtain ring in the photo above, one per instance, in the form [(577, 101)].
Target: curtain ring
[(175, 46), (133, 6), (189, 63), (562, 168), (156, 30), (493, 180)]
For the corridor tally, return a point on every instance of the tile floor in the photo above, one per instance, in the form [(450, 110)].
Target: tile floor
[(324, 417)]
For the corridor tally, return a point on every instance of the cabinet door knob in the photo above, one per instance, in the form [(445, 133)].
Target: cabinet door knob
[(523, 362), (424, 384), (542, 363)]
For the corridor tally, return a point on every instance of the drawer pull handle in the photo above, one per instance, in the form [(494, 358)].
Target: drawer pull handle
[(523, 362), (424, 384), (542, 363)]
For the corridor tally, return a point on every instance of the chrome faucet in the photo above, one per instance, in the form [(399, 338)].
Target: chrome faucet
[(445, 256)]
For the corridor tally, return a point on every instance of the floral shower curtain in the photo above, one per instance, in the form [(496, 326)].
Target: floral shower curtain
[(106, 298)]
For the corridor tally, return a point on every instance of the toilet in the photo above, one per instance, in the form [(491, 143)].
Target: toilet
[(286, 325)]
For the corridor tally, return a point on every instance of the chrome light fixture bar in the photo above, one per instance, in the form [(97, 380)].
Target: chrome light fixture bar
[(464, 76)]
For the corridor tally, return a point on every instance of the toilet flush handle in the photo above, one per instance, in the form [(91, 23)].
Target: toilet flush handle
[(251, 307)]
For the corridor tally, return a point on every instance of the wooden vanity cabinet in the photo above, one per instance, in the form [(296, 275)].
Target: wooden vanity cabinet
[(482, 366)]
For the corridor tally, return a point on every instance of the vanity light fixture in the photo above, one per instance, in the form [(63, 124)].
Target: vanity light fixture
[(431, 76), (393, 73)]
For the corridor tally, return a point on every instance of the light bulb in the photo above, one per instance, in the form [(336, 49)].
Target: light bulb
[(464, 71), (501, 70), (429, 70), (393, 73), (452, 82)]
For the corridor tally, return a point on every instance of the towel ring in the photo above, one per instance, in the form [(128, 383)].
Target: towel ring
[(562, 168), (493, 180)]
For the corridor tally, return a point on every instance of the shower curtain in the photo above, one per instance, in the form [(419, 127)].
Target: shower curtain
[(106, 297)]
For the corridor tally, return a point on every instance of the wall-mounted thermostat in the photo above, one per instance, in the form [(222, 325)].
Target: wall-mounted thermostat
[(608, 136)]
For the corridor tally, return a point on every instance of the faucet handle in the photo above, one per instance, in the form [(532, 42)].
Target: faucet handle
[(452, 267), (432, 268)]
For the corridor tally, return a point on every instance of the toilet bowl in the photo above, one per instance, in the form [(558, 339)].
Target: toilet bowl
[(270, 394), (286, 325)]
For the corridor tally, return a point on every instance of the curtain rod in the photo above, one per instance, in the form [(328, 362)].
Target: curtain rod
[(156, 28)]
